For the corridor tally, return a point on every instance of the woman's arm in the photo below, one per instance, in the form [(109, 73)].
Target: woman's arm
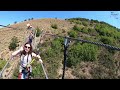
[(38, 56), (17, 52)]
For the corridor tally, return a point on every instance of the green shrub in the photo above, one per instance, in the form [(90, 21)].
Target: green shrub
[(84, 23), (38, 31), (52, 56), (108, 40), (13, 43), (85, 30), (76, 28), (57, 43), (37, 71), (85, 52), (54, 26), (50, 52), (2, 64), (73, 34)]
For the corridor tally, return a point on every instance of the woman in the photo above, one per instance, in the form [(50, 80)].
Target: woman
[(26, 55)]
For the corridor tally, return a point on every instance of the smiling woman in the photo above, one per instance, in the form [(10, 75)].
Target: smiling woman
[(26, 55)]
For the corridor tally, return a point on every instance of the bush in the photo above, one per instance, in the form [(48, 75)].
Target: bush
[(85, 52), (76, 28), (108, 40), (54, 26), (57, 43), (63, 31), (2, 64), (84, 23), (13, 43), (32, 18), (85, 30), (73, 34), (55, 48), (25, 20), (52, 56), (92, 32), (38, 31), (37, 71), (15, 22), (50, 52)]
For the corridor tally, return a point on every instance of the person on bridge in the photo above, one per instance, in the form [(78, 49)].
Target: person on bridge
[(30, 38), (26, 55), (30, 27), (31, 31)]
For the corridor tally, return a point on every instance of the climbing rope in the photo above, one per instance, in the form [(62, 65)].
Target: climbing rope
[(42, 33), (9, 27), (44, 71), (87, 41), (5, 67)]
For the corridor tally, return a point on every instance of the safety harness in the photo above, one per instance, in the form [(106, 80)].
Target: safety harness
[(26, 70)]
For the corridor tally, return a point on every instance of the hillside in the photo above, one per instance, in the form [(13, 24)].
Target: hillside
[(84, 61), (6, 34)]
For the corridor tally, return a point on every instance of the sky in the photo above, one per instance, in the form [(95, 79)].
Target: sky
[(110, 17)]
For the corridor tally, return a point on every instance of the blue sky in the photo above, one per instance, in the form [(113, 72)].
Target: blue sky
[(9, 17)]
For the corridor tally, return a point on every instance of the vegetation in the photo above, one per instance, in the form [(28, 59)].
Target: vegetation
[(15, 22), (84, 52), (54, 26), (85, 60), (2, 64), (38, 32), (13, 43), (73, 34)]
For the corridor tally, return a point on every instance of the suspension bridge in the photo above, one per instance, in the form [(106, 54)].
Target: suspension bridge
[(66, 45)]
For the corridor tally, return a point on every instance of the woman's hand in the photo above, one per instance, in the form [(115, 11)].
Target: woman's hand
[(40, 60), (11, 57)]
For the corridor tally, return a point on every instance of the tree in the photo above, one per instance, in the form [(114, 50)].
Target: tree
[(25, 20), (31, 18), (15, 22), (13, 43)]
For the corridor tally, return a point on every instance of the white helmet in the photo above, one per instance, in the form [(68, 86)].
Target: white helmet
[(28, 25)]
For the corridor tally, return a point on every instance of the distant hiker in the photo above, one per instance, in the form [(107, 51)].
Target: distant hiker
[(29, 27), (30, 38), (26, 55), (32, 35)]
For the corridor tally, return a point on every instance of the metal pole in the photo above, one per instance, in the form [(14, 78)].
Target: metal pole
[(65, 55), (64, 63)]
